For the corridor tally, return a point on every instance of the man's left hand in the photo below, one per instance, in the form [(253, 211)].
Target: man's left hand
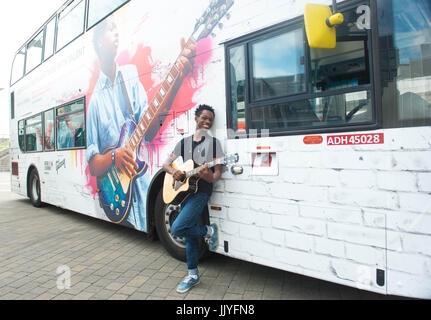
[(206, 174), (186, 59)]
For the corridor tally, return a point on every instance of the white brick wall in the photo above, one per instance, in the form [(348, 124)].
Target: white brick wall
[(424, 182), (337, 213)]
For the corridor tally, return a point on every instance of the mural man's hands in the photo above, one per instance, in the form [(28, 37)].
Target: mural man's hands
[(186, 59), (125, 161)]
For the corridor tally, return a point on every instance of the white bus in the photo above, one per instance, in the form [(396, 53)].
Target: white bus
[(334, 173)]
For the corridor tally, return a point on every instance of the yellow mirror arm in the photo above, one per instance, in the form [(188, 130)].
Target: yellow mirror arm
[(335, 20)]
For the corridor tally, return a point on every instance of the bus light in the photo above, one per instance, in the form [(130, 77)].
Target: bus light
[(15, 169)]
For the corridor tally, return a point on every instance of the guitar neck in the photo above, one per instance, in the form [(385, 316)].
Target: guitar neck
[(209, 164), (158, 103), (203, 28)]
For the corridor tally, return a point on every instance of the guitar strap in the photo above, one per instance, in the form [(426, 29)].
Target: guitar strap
[(126, 95), (214, 148), (129, 108), (182, 149)]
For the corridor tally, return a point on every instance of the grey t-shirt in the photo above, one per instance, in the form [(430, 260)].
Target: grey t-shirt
[(204, 151)]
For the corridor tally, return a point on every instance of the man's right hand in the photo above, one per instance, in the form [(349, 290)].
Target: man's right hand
[(125, 161), (179, 175)]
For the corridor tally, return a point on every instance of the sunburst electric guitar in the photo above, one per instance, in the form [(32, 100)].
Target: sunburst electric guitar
[(115, 187), (175, 192)]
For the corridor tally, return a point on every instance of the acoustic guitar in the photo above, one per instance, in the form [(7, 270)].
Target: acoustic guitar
[(175, 192)]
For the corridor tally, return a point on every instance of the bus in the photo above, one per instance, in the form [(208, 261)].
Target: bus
[(327, 107)]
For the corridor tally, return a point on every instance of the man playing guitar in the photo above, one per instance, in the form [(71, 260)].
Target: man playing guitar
[(201, 148)]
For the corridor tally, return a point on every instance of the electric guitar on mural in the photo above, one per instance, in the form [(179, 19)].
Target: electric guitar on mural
[(115, 186)]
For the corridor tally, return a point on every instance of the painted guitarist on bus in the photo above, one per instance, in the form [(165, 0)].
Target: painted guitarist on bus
[(119, 97), (201, 148)]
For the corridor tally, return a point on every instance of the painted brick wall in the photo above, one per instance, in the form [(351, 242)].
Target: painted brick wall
[(335, 212)]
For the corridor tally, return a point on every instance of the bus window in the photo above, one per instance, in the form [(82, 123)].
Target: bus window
[(33, 134), (70, 23), (71, 126), (18, 66), (278, 65), (49, 39), (34, 52), (409, 32), (12, 105), (291, 89), (344, 67), (100, 9), (49, 130), (237, 78)]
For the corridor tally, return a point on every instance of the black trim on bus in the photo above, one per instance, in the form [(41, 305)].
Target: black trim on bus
[(12, 105), (53, 128), (54, 40), (103, 18), (375, 62), (23, 68), (41, 54)]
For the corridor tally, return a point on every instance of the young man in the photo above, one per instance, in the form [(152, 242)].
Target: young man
[(201, 148)]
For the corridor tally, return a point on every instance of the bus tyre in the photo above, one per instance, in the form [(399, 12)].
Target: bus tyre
[(165, 215), (34, 188)]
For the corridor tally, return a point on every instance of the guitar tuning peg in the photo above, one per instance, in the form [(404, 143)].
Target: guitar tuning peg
[(220, 25), (228, 16), (213, 35)]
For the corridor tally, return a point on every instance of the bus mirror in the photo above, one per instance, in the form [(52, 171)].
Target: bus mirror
[(320, 26)]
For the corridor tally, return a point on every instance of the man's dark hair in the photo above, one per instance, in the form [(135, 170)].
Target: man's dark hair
[(203, 107)]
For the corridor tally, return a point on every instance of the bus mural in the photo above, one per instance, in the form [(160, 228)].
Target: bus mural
[(330, 127)]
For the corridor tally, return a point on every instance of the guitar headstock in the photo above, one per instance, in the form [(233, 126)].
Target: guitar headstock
[(233, 158), (211, 17)]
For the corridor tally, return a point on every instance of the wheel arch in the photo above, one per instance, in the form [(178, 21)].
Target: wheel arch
[(155, 186), (29, 171)]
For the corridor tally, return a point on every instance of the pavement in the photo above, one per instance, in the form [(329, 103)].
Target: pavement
[(55, 254)]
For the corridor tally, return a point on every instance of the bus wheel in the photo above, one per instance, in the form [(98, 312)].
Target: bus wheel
[(34, 189), (165, 215)]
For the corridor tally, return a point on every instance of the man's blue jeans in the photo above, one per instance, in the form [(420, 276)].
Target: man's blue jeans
[(186, 225)]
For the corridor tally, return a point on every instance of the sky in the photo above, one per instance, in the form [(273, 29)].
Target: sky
[(19, 19)]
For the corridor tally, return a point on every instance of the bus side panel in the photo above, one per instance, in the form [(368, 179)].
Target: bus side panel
[(311, 210), (409, 225)]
